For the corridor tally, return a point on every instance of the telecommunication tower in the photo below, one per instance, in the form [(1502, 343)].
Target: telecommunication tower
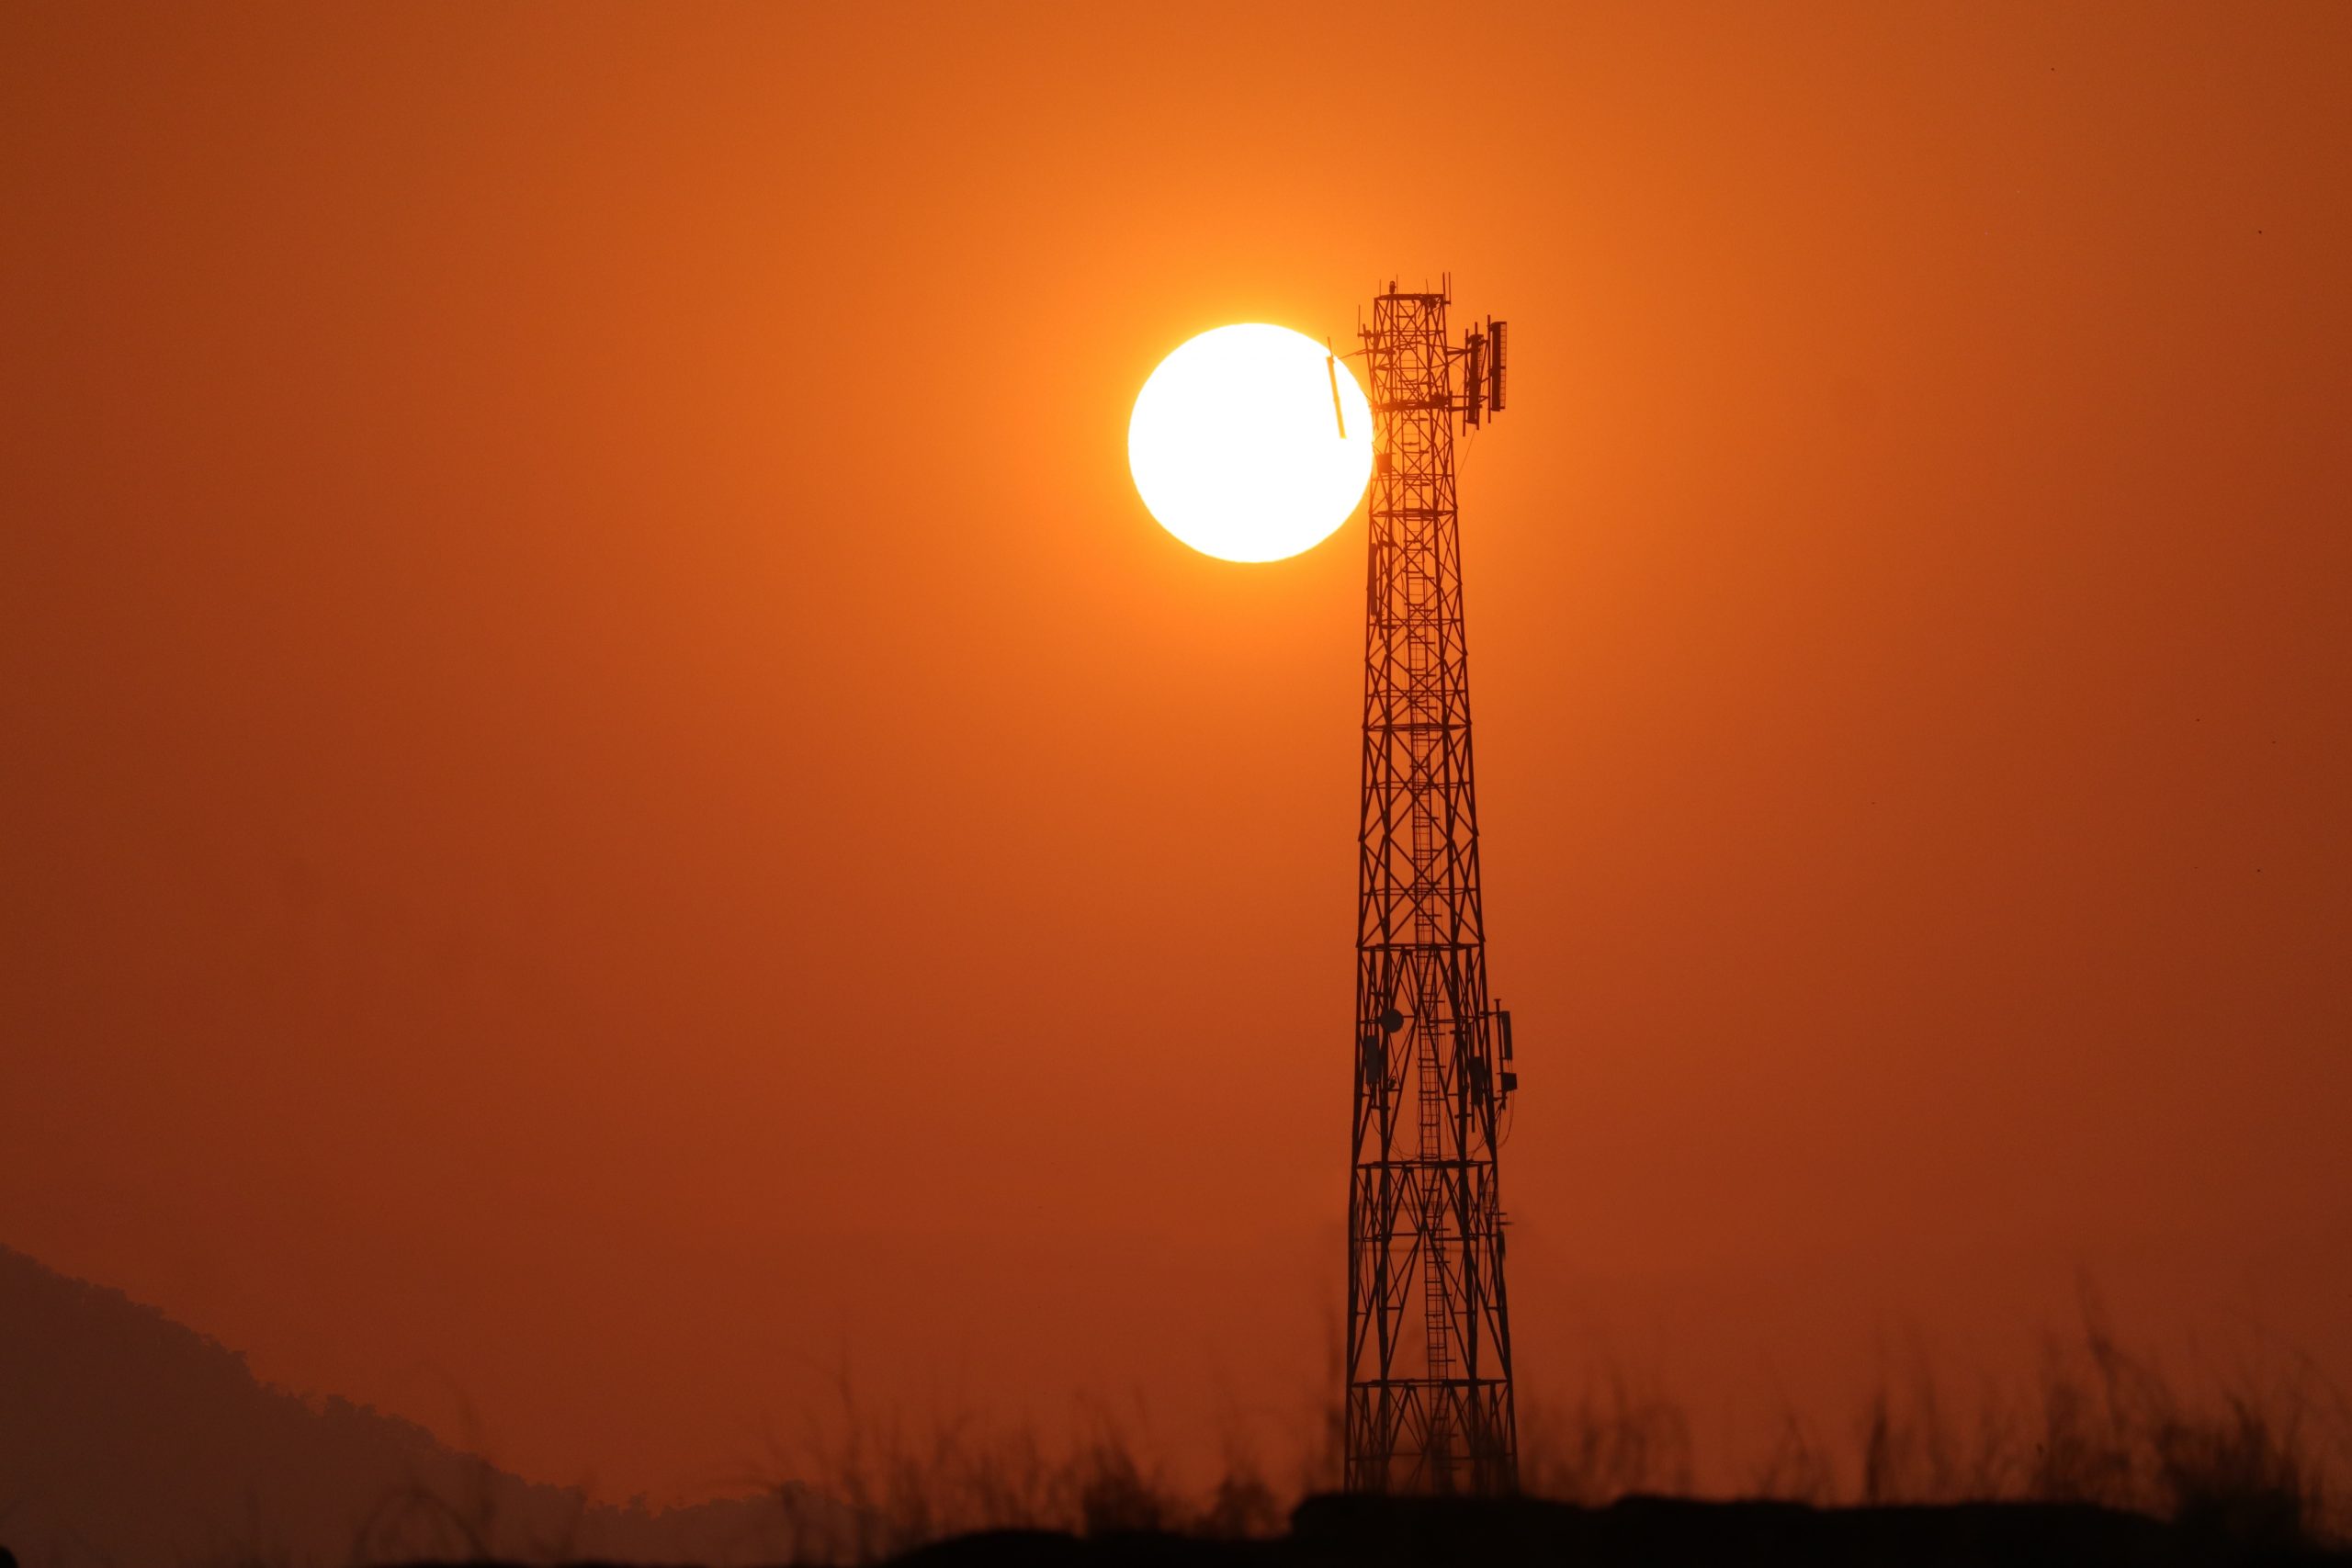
[(1429, 1404)]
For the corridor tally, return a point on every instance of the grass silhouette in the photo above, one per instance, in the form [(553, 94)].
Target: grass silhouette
[(132, 1440), (2252, 1461)]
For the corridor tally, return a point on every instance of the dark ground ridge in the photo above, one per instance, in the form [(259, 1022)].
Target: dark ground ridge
[(1649, 1532)]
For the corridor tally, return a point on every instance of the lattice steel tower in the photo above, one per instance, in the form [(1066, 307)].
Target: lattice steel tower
[(1428, 1326)]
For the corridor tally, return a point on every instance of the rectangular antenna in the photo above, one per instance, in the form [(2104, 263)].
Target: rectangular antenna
[(1497, 368), (1473, 377)]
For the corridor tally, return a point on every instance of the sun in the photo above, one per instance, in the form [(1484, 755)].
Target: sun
[(1250, 443)]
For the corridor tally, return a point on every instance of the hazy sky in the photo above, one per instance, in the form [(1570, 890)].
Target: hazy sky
[(611, 803)]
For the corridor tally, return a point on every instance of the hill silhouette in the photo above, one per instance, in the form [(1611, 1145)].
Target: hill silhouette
[(127, 1439)]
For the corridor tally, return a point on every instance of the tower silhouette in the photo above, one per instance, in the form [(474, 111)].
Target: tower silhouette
[(1429, 1402)]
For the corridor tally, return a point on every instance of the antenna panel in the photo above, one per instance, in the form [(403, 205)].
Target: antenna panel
[(1497, 366)]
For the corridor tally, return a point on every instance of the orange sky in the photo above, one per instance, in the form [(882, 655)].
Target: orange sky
[(611, 798)]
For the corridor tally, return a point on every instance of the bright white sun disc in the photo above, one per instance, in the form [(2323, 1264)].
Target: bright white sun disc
[(1236, 449)]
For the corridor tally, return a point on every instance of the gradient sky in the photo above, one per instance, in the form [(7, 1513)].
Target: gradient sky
[(611, 803)]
